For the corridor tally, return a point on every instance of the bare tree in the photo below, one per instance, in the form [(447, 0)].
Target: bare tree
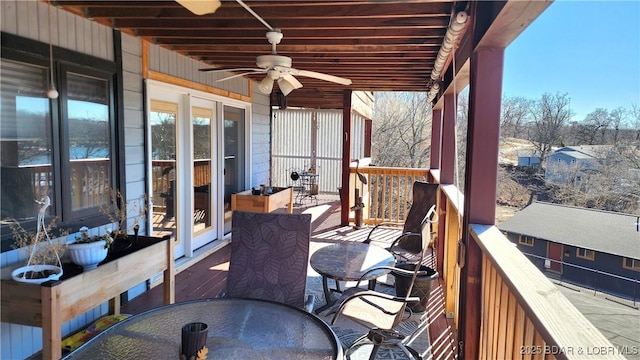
[(401, 130), (462, 122), (592, 131), (515, 111), (549, 116), (617, 122)]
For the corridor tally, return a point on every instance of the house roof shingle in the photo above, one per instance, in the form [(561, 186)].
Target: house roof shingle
[(602, 231)]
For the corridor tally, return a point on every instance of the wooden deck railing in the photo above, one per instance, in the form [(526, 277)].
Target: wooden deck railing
[(163, 176), (523, 314), (387, 196), (90, 181)]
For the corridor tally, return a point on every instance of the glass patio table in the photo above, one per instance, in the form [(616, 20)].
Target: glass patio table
[(237, 329), (349, 261)]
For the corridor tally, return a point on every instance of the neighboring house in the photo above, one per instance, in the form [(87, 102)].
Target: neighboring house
[(572, 163), (528, 159), (592, 248)]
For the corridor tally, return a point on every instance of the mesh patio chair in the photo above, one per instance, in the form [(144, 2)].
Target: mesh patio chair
[(388, 318), (269, 257), (407, 247)]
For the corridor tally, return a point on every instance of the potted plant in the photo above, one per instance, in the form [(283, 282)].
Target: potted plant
[(44, 260), (88, 251)]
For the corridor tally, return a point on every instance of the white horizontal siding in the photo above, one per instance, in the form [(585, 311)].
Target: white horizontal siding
[(30, 19), (167, 62)]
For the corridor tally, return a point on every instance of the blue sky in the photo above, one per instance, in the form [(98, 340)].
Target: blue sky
[(587, 49)]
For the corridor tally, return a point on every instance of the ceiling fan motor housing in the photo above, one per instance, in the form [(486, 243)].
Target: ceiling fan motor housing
[(269, 61)]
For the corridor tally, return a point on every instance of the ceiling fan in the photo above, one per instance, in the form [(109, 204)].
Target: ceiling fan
[(276, 67)]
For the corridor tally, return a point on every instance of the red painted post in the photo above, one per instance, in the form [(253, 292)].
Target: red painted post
[(483, 139), (448, 156), (368, 128), (436, 135), (346, 157)]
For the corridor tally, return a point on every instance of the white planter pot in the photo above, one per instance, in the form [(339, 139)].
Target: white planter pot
[(88, 255), (55, 271)]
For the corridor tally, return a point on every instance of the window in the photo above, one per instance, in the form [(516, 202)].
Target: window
[(631, 264), (526, 240), (585, 254), (62, 148)]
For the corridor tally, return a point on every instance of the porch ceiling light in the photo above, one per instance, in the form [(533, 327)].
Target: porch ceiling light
[(200, 7), (285, 86), (266, 85)]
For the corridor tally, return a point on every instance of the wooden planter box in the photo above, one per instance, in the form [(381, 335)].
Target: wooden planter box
[(245, 201), (52, 303)]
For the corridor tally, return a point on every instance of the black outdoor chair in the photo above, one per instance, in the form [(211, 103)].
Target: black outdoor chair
[(384, 314), (405, 247)]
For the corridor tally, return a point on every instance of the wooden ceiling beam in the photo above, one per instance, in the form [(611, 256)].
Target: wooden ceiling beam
[(296, 49), (300, 34), (434, 43), (269, 11)]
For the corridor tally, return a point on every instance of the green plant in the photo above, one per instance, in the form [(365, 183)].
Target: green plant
[(85, 238)]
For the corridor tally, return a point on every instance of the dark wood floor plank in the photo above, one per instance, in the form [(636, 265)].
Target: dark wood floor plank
[(207, 278)]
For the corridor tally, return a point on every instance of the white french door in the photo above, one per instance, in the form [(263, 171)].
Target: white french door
[(203, 167), (191, 137)]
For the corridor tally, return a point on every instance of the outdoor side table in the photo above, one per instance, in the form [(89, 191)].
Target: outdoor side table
[(237, 329), (348, 262)]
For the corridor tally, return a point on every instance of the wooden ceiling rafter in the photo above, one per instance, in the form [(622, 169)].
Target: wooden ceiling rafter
[(381, 45)]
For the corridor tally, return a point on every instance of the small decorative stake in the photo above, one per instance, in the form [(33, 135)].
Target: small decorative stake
[(194, 341)]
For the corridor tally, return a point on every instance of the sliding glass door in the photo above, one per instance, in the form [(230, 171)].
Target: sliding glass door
[(197, 152), (234, 159)]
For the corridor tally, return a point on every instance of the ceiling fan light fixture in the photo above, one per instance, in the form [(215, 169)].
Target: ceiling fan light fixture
[(266, 85), (200, 7), (285, 86)]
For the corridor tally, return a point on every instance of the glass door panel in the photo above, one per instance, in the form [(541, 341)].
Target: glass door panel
[(234, 158), (203, 214), (163, 119)]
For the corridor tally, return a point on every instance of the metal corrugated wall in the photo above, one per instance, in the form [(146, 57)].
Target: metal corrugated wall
[(329, 153), (290, 144), (292, 132)]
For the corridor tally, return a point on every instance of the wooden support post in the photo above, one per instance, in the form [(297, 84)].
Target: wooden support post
[(448, 155), (346, 157), (114, 305), (483, 139), (51, 322), (436, 137), (169, 283)]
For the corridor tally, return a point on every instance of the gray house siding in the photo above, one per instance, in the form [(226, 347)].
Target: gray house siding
[(602, 265), (611, 236), (29, 19), (605, 273), (571, 163)]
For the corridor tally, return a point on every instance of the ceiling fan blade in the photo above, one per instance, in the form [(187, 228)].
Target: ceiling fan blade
[(292, 80), (232, 70), (257, 71), (321, 76), (200, 7)]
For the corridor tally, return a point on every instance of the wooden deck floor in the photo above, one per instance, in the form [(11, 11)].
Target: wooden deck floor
[(207, 278)]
